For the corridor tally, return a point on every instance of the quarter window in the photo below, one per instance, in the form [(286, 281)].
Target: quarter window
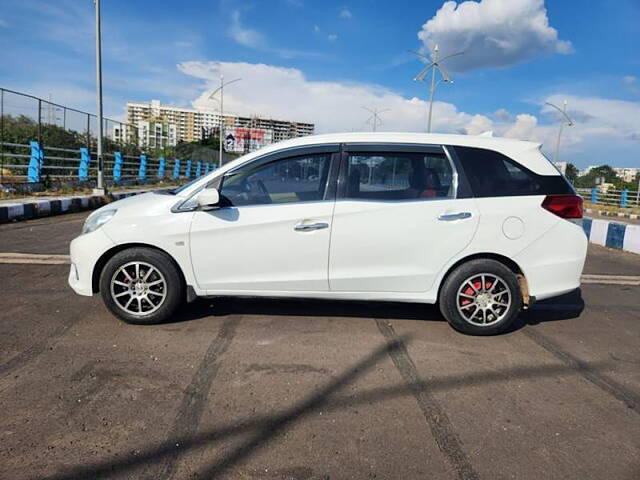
[(296, 179), (492, 174), (399, 176)]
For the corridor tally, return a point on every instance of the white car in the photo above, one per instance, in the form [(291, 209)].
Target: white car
[(482, 226)]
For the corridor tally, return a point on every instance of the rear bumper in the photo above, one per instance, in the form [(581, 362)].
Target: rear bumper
[(85, 251), (553, 263)]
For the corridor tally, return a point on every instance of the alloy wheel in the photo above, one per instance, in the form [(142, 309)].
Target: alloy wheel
[(483, 299), (138, 288)]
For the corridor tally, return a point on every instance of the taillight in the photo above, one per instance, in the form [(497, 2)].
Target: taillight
[(564, 206)]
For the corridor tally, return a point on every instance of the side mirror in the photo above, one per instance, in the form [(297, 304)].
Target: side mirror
[(208, 199)]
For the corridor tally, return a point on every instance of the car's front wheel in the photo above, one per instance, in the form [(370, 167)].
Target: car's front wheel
[(141, 285), (481, 297)]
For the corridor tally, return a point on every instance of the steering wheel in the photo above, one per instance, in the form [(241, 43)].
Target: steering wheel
[(264, 191)]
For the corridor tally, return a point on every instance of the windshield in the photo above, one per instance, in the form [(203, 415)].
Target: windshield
[(177, 190)]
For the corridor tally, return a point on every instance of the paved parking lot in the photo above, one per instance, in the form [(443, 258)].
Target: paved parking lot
[(266, 389)]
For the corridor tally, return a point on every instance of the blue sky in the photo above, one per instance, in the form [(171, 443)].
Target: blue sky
[(321, 61)]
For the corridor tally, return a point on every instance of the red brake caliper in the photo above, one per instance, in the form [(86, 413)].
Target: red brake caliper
[(469, 291)]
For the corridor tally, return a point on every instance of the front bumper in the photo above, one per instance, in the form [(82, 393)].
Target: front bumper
[(85, 251)]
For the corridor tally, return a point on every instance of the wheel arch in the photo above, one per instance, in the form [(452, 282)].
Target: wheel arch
[(106, 256), (506, 261)]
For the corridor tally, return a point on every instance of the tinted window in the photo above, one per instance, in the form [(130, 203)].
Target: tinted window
[(297, 179), (398, 176), (492, 174)]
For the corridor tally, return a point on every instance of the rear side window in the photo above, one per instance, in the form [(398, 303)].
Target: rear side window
[(492, 174), (398, 176)]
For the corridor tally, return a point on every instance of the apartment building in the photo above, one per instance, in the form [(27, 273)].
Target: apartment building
[(192, 125)]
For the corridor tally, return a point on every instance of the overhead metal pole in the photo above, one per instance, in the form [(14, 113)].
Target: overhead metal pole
[(100, 190), (435, 62), (221, 119), (563, 111), (374, 119), (432, 90), (221, 90)]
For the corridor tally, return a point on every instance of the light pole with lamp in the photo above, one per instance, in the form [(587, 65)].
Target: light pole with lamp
[(221, 90), (100, 187), (435, 63), (563, 111)]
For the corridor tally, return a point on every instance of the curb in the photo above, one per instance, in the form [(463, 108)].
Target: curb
[(606, 213), (46, 208), (622, 236)]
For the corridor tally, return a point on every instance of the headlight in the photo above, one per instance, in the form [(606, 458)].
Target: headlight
[(96, 220)]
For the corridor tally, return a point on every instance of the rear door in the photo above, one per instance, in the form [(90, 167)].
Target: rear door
[(398, 219)]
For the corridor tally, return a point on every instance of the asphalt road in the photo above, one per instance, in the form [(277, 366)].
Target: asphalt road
[(265, 389)]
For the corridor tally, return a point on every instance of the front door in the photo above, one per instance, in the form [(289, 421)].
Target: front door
[(398, 222), (272, 232)]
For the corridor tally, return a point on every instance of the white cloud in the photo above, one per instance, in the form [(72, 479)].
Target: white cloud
[(332, 37), (345, 13), (492, 33), (245, 36), (255, 40), (632, 83), (285, 93)]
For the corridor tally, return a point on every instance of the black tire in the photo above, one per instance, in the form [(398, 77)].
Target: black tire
[(448, 299), (173, 286)]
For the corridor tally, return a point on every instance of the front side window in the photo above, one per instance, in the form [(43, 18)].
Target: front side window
[(295, 179), (399, 176)]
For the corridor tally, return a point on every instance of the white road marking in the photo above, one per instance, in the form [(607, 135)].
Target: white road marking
[(34, 258), (611, 279)]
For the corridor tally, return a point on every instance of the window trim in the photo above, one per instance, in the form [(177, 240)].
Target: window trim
[(390, 148)]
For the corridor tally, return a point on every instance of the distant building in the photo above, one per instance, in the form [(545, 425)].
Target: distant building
[(192, 125), (155, 134), (627, 174)]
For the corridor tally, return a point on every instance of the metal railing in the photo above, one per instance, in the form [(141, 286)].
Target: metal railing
[(42, 142), (611, 197)]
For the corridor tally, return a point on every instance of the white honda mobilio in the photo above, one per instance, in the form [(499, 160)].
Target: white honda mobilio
[(481, 226)]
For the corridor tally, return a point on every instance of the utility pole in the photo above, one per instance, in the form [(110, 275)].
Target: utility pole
[(563, 111), (435, 62), (100, 187), (374, 119), (221, 90)]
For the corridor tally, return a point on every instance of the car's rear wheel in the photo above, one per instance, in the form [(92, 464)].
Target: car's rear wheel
[(141, 285), (481, 297)]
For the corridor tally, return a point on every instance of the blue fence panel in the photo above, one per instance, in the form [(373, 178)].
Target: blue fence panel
[(35, 162), (176, 169), (117, 166), (187, 170), (85, 160), (206, 168), (594, 195), (198, 168), (624, 198), (142, 171), (161, 167)]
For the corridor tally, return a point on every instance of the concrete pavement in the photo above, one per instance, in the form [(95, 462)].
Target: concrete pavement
[(312, 390)]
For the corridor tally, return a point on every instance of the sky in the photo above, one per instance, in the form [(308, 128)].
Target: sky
[(322, 61)]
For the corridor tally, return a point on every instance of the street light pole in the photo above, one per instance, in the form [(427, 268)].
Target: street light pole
[(221, 119), (435, 62), (563, 111), (221, 90), (100, 190)]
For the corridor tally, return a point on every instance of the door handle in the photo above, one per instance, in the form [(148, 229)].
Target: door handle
[(447, 217), (307, 227)]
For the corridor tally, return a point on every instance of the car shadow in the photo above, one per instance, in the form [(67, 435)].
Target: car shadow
[(564, 307)]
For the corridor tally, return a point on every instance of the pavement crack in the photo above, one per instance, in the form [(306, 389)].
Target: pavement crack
[(436, 418), (604, 383), (193, 402)]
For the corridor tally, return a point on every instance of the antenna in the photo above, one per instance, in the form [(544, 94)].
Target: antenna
[(435, 63), (374, 119)]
